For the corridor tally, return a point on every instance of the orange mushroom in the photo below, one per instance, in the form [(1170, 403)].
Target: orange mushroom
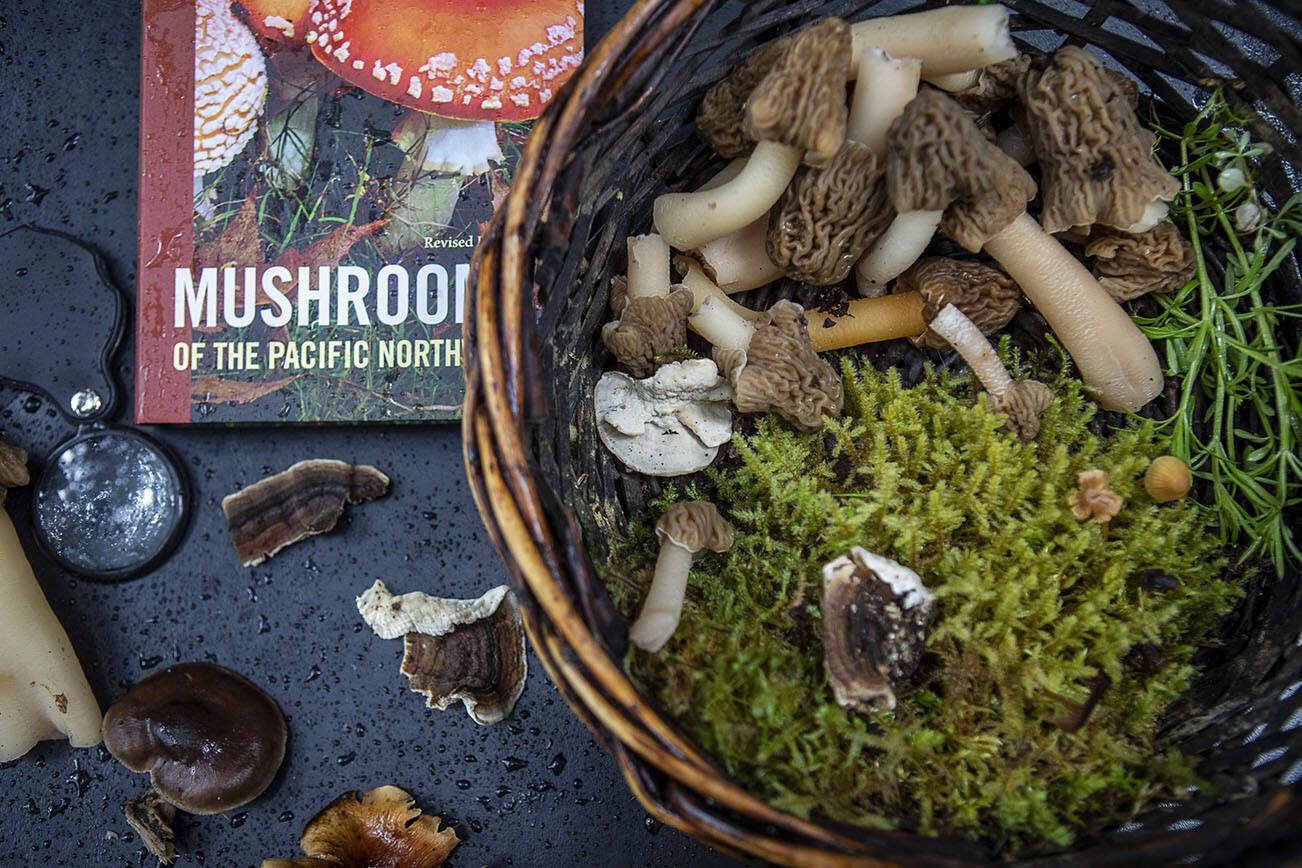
[(278, 20)]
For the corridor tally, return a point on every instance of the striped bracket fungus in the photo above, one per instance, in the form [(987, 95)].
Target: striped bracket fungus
[(305, 500)]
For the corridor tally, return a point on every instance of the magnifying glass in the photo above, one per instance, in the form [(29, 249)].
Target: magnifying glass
[(109, 503)]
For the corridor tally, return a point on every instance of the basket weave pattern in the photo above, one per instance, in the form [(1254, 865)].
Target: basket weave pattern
[(620, 134)]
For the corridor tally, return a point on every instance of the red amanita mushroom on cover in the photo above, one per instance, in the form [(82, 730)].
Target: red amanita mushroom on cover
[(278, 20), (473, 61)]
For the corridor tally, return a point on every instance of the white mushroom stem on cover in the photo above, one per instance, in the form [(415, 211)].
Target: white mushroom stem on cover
[(1117, 362), (949, 40), (436, 144), (648, 266)]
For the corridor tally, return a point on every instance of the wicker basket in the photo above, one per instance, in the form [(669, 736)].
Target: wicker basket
[(620, 133)]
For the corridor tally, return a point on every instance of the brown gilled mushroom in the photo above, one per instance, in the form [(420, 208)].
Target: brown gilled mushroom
[(796, 112), (1096, 155), (382, 829), (1128, 266), (648, 328), (683, 530), (210, 739), (778, 371), (305, 500), (1092, 498), (1022, 401), (876, 614)]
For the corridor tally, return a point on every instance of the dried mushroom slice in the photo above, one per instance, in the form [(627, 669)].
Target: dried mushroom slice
[(1096, 155), (13, 468), (986, 295), (876, 614), (648, 327), (152, 816), (719, 118), (305, 500), (995, 86), (382, 829), (1128, 266), (829, 217)]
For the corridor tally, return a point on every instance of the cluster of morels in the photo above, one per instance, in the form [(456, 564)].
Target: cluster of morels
[(929, 155), (212, 741)]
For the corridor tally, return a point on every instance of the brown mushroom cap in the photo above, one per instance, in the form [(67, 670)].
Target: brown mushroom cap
[(13, 468), (801, 102), (1128, 266), (939, 160), (986, 295), (305, 500), (829, 217), (1097, 157), (230, 85), (719, 120), (210, 739), (779, 372), (695, 525), (648, 327), (995, 86), (384, 829), (1023, 402)]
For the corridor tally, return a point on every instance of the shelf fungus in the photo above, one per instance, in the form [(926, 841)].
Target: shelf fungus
[(305, 500), (876, 614), (381, 829), (468, 650)]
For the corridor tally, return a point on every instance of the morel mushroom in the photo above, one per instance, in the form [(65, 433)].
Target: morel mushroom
[(683, 530), (1096, 155), (648, 328), (992, 87), (778, 371), (950, 40), (940, 159), (796, 112), (876, 614), (1021, 401), (1128, 266)]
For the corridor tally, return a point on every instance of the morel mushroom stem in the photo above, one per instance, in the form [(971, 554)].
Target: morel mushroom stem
[(885, 86), (689, 220), (703, 288), (868, 320), (739, 261), (648, 266), (966, 338), (948, 40), (954, 82), (722, 326), (663, 606), (1116, 361), (898, 248)]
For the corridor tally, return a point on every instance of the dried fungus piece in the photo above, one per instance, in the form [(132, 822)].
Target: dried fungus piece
[(1096, 155), (723, 108), (829, 217), (648, 327), (1093, 499), (1130, 265), (305, 500), (876, 614), (779, 372), (381, 829), (13, 468), (986, 295), (152, 817), (471, 650)]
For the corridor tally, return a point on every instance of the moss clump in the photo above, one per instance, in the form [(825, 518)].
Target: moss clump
[(1035, 606)]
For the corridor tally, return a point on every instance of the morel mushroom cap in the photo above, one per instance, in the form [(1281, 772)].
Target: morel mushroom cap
[(1128, 266), (801, 102), (1097, 157), (779, 372), (829, 216), (876, 614), (384, 829), (994, 87), (939, 160), (694, 525), (986, 295), (648, 327), (305, 500), (468, 650), (720, 118), (1023, 402), (210, 739), (230, 85)]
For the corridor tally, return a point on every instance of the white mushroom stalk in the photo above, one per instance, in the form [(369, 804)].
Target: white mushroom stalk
[(703, 289), (689, 220), (954, 82), (740, 260), (438, 144), (949, 40), (1116, 361), (964, 336), (43, 690), (663, 606), (648, 266), (898, 248)]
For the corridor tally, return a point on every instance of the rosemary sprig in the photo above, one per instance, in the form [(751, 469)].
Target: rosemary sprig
[(1237, 419)]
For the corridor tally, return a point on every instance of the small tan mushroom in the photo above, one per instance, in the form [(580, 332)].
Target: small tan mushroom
[(985, 295), (1093, 499), (648, 328), (1128, 266), (230, 87), (305, 500), (683, 530), (1167, 479), (151, 816), (381, 829), (779, 371), (468, 650), (1096, 155), (876, 614)]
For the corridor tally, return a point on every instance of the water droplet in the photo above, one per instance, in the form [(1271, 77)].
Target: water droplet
[(150, 662), (557, 765), (313, 674), (346, 758), (463, 784), (514, 763), (32, 404), (285, 816), (238, 820)]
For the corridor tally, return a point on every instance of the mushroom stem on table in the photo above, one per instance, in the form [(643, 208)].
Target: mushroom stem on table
[(1116, 361), (648, 266), (948, 40)]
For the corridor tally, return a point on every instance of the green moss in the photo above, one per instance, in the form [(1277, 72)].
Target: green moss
[(1034, 605)]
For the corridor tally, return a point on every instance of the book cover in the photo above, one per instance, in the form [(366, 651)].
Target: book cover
[(314, 176)]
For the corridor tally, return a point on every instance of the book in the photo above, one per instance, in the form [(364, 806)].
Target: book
[(314, 177)]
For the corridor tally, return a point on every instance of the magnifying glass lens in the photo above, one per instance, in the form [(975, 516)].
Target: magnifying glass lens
[(108, 504)]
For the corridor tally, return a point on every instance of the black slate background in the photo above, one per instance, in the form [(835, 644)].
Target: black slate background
[(533, 791)]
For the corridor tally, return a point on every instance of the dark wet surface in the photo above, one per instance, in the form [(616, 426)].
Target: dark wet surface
[(535, 790)]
